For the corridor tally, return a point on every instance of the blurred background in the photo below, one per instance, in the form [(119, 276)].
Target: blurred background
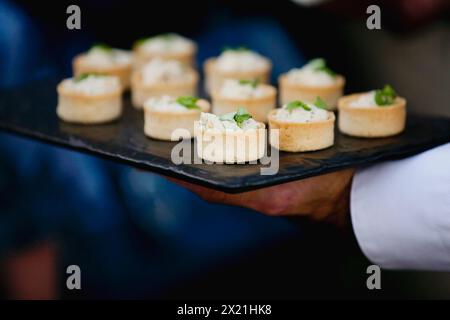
[(123, 227)]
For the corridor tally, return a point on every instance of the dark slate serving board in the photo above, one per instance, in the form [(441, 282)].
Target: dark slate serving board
[(30, 111)]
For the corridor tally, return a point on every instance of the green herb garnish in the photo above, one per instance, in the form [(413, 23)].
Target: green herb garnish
[(254, 83), (188, 101), (166, 36), (326, 70), (140, 41), (316, 63), (163, 36), (385, 96), (297, 104), (101, 46), (319, 103), (320, 65), (239, 116), (238, 49), (84, 76)]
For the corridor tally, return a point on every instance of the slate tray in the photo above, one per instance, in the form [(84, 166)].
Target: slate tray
[(30, 111)]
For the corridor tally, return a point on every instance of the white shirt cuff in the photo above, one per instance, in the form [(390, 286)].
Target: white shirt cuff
[(401, 211)]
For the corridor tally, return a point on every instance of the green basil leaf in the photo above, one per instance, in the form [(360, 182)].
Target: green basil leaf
[(101, 46), (85, 75), (140, 41), (385, 96), (319, 103), (254, 82), (164, 36), (326, 70), (238, 49), (188, 101), (316, 63), (320, 65), (297, 104), (241, 116)]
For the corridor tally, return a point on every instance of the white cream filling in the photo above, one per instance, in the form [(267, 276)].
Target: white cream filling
[(163, 44), (98, 57), (301, 115), (310, 77), (209, 121), (157, 71), (233, 89), (92, 85), (164, 103), (366, 100), (245, 60)]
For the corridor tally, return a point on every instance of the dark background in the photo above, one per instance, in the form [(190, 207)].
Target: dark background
[(134, 234)]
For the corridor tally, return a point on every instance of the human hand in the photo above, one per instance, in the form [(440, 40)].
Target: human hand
[(321, 198)]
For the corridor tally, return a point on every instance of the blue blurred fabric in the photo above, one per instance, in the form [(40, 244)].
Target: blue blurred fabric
[(133, 233)]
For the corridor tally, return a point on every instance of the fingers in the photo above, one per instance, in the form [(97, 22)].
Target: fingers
[(252, 199), (318, 197), (205, 193), (271, 201)]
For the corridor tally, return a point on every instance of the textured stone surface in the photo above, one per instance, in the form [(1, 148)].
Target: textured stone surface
[(30, 111)]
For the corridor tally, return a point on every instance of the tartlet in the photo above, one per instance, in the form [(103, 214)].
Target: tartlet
[(163, 116), (170, 46), (301, 127), (313, 80), (372, 114), (257, 98), (162, 77), (89, 99), (235, 64), (231, 138), (102, 59)]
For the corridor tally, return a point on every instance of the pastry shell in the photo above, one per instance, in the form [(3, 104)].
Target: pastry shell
[(88, 109), (141, 57), (301, 136), (161, 124), (141, 92), (373, 122), (123, 72), (214, 78), (230, 147), (258, 107), (290, 91)]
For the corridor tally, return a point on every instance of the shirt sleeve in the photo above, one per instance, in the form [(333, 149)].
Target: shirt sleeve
[(401, 211)]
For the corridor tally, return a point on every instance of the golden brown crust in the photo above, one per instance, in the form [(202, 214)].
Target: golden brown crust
[(121, 71), (78, 64), (136, 81), (290, 91), (226, 145), (215, 77), (258, 107), (203, 104), (140, 56), (236, 133), (161, 124), (271, 93), (210, 67), (80, 96), (372, 122), (89, 111), (140, 92), (302, 136), (338, 84)]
